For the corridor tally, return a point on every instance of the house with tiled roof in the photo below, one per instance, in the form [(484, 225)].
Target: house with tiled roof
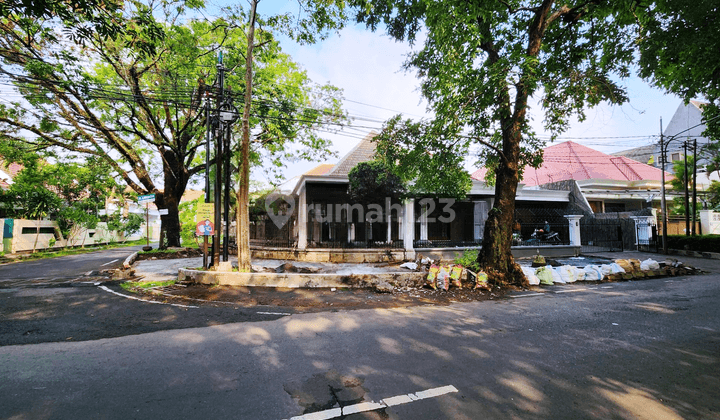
[(608, 183), (324, 216)]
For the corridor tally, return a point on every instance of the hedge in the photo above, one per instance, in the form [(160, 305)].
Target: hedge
[(703, 243)]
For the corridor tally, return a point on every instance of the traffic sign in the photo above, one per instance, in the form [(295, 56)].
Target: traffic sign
[(147, 198), (205, 211), (204, 228)]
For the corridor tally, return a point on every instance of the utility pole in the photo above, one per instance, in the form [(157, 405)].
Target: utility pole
[(687, 198), (218, 163), (694, 187), (663, 204)]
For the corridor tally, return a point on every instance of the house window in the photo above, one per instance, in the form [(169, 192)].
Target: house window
[(596, 206), (614, 207), (675, 157)]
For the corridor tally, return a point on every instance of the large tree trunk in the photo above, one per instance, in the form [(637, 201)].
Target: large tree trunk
[(243, 212), (169, 199), (495, 257)]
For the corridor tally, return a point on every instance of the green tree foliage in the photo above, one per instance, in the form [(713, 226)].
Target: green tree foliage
[(142, 114), (481, 62), (679, 42), (373, 181), (678, 184)]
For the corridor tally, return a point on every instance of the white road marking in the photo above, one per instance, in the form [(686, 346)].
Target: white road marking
[(372, 405), (606, 287), (528, 295), (274, 313), (143, 300), (704, 328), (108, 263), (572, 290)]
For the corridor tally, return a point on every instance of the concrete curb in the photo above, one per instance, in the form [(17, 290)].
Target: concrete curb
[(130, 260), (298, 280), (695, 254)]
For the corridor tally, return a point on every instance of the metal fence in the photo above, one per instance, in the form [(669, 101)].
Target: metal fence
[(599, 235), (647, 237)]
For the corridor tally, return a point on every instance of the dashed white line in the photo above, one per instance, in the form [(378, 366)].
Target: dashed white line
[(527, 295), (571, 290), (108, 263), (606, 287), (274, 313), (372, 405), (143, 300)]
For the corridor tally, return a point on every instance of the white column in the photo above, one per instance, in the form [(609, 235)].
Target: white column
[(408, 224), (302, 218), (424, 223), (574, 231), (480, 210), (710, 222)]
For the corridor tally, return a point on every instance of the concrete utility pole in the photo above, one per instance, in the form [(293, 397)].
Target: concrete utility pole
[(663, 204), (218, 163), (687, 198), (694, 189)]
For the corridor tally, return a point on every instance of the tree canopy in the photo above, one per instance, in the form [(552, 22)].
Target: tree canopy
[(142, 114), (481, 62)]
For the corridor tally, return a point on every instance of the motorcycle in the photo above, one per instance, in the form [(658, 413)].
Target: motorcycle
[(540, 236)]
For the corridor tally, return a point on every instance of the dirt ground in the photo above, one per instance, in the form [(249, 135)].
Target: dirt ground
[(316, 299)]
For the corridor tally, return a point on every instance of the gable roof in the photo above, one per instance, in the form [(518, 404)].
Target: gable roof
[(362, 152), (321, 169), (569, 160)]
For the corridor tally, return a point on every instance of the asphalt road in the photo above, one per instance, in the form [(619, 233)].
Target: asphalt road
[(643, 349), (62, 269)]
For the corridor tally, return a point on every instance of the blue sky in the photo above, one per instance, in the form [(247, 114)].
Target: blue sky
[(367, 66)]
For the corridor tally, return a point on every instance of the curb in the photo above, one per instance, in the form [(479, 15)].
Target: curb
[(130, 260), (301, 280)]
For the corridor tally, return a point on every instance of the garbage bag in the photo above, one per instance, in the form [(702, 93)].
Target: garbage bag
[(443, 278), (530, 275), (557, 278), (432, 277), (456, 275), (605, 269), (481, 280), (626, 265), (409, 265), (545, 275), (593, 273), (649, 265), (616, 269), (567, 273)]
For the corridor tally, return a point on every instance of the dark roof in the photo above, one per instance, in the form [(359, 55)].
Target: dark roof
[(640, 154), (363, 152)]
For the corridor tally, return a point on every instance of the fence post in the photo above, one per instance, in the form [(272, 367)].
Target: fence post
[(574, 228)]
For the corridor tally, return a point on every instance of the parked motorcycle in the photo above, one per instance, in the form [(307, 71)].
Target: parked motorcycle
[(541, 236)]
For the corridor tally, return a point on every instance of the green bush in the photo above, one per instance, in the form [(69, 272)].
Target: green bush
[(702, 243), (468, 259)]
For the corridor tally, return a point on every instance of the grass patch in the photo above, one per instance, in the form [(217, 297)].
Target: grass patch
[(62, 252), (129, 285)]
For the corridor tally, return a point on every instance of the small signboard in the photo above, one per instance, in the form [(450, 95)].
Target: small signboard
[(163, 212), (205, 228), (205, 211), (147, 198)]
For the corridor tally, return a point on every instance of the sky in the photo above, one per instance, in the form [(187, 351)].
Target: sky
[(367, 66)]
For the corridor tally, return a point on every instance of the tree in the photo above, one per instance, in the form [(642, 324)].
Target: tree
[(142, 114), (679, 183), (480, 64), (678, 43), (373, 181)]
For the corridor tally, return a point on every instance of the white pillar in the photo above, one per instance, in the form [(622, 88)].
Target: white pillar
[(710, 222), (424, 222), (408, 224), (302, 218), (574, 231), (480, 210)]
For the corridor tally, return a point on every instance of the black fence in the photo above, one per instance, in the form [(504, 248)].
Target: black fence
[(445, 243), (647, 237), (598, 235)]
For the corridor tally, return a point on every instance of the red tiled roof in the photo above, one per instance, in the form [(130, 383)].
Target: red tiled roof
[(569, 160), (321, 169)]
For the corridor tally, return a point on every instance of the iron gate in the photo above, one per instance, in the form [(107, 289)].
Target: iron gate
[(601, 236)]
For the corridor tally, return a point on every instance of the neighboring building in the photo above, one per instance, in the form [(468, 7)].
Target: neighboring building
[(685, 125), (607, 183), (7, 173)]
